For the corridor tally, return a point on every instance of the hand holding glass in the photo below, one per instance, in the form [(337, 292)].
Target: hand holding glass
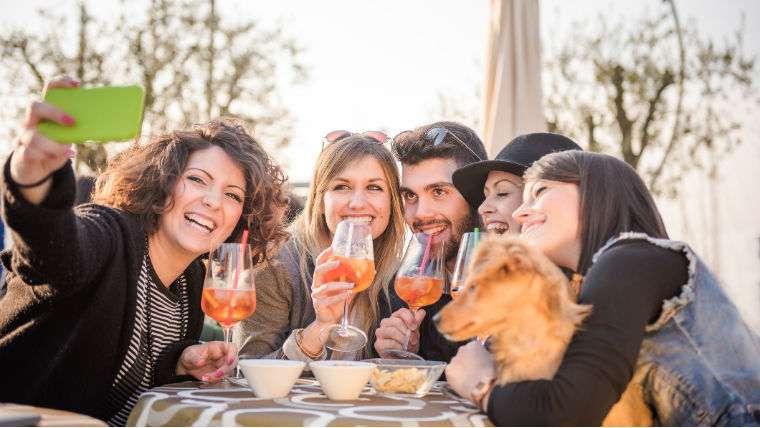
[(229, 294), (352, 247), (419, 281)]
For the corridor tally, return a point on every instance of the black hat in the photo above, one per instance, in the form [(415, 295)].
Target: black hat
[(514, 158)]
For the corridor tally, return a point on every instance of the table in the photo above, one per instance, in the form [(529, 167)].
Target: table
[(188, 404), (49, 417)]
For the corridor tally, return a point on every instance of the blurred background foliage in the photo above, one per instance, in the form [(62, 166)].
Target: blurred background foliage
[(193, 63), (651, 90)]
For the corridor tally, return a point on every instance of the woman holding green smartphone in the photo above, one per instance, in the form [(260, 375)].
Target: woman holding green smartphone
[(103, 300)]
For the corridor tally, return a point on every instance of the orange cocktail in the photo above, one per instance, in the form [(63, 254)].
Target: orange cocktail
[(352, 249), (419, 291), (228, 305), (359, 271)]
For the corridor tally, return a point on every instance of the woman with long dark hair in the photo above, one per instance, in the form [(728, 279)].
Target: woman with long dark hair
[(658, 315)]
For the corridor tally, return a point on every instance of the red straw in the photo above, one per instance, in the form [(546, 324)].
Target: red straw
[(425, 255), (240, 259)]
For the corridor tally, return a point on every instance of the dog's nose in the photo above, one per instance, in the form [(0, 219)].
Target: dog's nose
[(436, 318)]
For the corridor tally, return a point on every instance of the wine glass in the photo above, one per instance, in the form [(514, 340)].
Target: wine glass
[(352, 248), (466, 246), (229, 294), (419, 282)]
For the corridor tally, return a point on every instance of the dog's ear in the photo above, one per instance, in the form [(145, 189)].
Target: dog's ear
[(519, 258), (488, 257), (508, 254)]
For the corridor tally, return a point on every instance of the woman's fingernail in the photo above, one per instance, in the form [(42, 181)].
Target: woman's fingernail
[(219, 373), (206, 378), (68, 120), (74, 83), (70, 153), (232, 360)]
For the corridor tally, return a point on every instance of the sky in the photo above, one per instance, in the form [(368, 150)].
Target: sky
[(385, 65)]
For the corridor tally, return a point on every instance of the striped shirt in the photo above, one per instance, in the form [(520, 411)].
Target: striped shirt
[(161, 320)]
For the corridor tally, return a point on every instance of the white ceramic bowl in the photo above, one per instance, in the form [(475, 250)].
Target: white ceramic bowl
[(271, 378), (342, 380)]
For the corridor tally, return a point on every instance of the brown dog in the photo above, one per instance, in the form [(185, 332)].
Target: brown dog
[(525, 302)]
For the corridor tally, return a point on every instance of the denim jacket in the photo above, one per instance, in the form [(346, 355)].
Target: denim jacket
[(699, 363)]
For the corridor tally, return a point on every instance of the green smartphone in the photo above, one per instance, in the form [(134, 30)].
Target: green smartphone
[(102, 114)]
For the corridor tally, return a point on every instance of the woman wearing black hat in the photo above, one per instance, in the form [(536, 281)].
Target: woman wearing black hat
[(495, 186)]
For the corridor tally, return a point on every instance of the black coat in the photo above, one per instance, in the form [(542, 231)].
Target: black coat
[(69, 311)]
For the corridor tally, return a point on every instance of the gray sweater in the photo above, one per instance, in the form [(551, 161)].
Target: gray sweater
[(283, 305)]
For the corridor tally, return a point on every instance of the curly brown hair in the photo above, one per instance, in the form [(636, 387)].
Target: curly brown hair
[(140, 180)]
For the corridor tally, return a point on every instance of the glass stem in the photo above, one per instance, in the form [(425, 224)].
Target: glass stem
[(227, 335), (227, 340), (408, 332), (344, 320)]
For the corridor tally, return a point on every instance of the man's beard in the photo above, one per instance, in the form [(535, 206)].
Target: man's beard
[(468, 223)]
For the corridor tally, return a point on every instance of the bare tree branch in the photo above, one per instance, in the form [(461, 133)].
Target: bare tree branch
[(667, 80), (616, 89), (22, 45), (679, 102), (625, 124)]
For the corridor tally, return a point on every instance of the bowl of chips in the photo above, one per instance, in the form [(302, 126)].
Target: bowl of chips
[(412, 377)]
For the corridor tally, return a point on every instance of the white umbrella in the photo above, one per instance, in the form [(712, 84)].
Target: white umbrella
[(512, 96)]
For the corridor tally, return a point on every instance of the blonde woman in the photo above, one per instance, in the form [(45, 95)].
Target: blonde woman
[(355, 177)]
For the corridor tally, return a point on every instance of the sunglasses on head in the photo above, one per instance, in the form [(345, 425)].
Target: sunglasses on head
[(335, 136), (438, 134)]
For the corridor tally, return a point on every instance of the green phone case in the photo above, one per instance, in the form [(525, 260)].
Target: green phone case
[(102, 114)]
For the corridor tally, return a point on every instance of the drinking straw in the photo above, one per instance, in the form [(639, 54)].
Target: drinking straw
[(425, 255), (475, 244), (350, 232), (347, 251), (237, 273), (240, 258)]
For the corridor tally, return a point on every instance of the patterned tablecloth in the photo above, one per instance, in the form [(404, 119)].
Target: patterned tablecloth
[(10, 414), (188, 404)]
